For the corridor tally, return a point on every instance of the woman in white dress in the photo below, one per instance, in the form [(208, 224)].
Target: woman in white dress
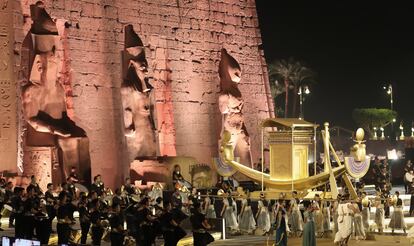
[(263, 216), (295, 216), (229, 213), (318, 216), (397, 217), (208, 207), (358, 225), (334, 211), (366, 207), (379, 212), (326, 213), (246, 221)]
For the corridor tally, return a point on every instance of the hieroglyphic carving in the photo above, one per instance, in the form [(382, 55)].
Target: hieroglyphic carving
[(39, 161), (8, 138)]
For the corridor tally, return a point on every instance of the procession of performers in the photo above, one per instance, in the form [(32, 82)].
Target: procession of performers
[(147, 215)]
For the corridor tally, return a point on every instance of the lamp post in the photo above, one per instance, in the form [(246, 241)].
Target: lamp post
[(390, 92), (402, 132), (302, 89), (375, 133)]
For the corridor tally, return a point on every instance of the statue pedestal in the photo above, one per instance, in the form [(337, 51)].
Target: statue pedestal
[(38, 162), (160, 169)]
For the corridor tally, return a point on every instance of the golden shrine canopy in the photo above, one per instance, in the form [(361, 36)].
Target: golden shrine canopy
[(286, 122)]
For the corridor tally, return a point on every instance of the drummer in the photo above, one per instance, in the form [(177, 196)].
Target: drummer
[(51, 204), (98, 186), (31, 206), (7, 200), (73, 175), (128, 187), (70, 189), (179, 179), (17, 204), (35, 185), (176, 176), (2, 197), (408, 180), (64, 221)]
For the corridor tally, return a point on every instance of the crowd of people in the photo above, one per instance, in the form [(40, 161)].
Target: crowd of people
[(149, 215), (102, 214)]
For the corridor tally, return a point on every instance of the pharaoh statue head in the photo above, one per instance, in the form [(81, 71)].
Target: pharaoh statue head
[(44, 69), (229, 68), (135, 62)]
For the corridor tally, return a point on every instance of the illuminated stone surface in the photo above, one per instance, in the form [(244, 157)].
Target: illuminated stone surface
[(183, 40)]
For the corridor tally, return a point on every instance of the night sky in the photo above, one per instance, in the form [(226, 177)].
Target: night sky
[(354, 49)]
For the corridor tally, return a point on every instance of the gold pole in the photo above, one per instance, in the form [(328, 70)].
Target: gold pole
[(314, 151), (292, 154), (262, 159)]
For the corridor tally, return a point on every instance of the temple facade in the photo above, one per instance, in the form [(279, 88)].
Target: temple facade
[(182, 41)]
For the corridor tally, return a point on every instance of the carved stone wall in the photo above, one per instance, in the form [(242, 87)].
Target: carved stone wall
[(8, 112), (184, 39)]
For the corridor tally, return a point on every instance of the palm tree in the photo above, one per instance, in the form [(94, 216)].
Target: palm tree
[(293, 74)]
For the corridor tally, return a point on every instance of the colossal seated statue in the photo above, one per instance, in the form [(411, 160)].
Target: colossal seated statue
[(44, 100)]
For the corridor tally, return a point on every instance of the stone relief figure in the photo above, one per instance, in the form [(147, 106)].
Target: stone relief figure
[(231, 106), (136, 91), (43, 96)]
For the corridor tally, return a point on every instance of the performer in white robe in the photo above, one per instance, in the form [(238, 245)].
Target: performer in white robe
[(295, 216), (366, 210), (263, 216), (326, 212), (318, 216), (397, 218), (358, 225), (246, 221), (208, 207), (379, 212), (334, 211), (345, 213), (229, 214)]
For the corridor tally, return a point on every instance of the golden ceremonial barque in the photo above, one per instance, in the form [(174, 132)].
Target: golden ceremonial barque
[(290, 143)]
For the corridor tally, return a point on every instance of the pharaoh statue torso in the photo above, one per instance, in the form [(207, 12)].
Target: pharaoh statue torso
[(231, 105), (136, 100)]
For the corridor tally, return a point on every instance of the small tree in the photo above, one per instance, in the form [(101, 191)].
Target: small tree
[(292, 75), (368, 118)]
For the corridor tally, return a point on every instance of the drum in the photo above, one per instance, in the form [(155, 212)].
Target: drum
[(135, 198), (408, 177), (106, 235), (6, 211), (108, 200), (365, 202), (129, 241), (75, 236), (80, 188), (185, 183)]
